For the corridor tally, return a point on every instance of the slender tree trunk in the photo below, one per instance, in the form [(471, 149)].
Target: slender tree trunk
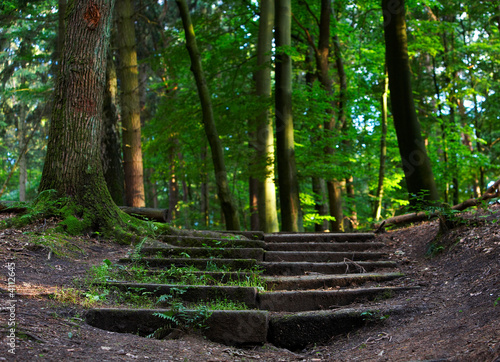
[(73, 165), (173, 188), (323, 65), (253, 185), (443, 130), (383, 151), (416, 164), (23, 173), (319, 190), (110, 151), (185, 200), (205, 206), (318, 183), (264, 142), (287, 170), (344, 126), (130, 105), (227, 204)]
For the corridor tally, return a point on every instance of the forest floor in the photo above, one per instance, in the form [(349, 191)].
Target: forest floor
[(451, 317)]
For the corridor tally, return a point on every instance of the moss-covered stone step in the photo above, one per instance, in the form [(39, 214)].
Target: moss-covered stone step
[(205, 252), (304, 268), (313, 246), (321, 257), (308, 300), (320, 281), (252, 235), (319, 237), (197, 241), (210, 277), (193, 293), (200, 263), (293, 331), (230, 327)]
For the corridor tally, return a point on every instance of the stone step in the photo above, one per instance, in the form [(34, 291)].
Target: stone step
[(205, 252), (305, 268), (252, 235), (230, 327), (251, 327), (197, 241), (297, 331), (312, 246), (309, 300), (320, 257), (200, 263), (303, 282), (319, 237), (192, 293)]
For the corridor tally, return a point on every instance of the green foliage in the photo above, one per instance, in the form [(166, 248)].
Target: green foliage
[(454, 53), (374, 316)]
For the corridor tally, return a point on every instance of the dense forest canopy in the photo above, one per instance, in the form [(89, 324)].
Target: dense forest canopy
[(340, 136)]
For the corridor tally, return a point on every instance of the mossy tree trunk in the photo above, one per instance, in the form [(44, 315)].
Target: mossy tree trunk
[(416, 163), (73, 165)]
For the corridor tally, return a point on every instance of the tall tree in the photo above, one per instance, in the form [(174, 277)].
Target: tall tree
[(264, 142), (416, 163), (383, 149), (130, 105), (287, 169), (229, 210), (73, 165)]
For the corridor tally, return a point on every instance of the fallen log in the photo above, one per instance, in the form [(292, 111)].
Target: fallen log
[(159, 215), (492, 192)]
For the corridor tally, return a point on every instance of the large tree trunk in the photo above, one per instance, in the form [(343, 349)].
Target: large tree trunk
[(130, 105), (73, 165), (287, 169), (227, 204), (266, 190), (416, 164)]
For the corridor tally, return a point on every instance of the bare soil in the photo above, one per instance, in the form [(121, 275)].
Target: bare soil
[(451, 317)]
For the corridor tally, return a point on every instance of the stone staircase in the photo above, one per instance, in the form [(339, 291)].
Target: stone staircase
[(307, 283)]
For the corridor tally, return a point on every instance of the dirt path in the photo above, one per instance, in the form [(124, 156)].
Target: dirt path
[(452, 316)]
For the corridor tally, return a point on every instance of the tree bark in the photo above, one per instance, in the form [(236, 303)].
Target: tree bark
[(23, 173), (130, 105), (287, 169), (227, 204), (416, 164), (264, 142), (383, 150), (73, 166)]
